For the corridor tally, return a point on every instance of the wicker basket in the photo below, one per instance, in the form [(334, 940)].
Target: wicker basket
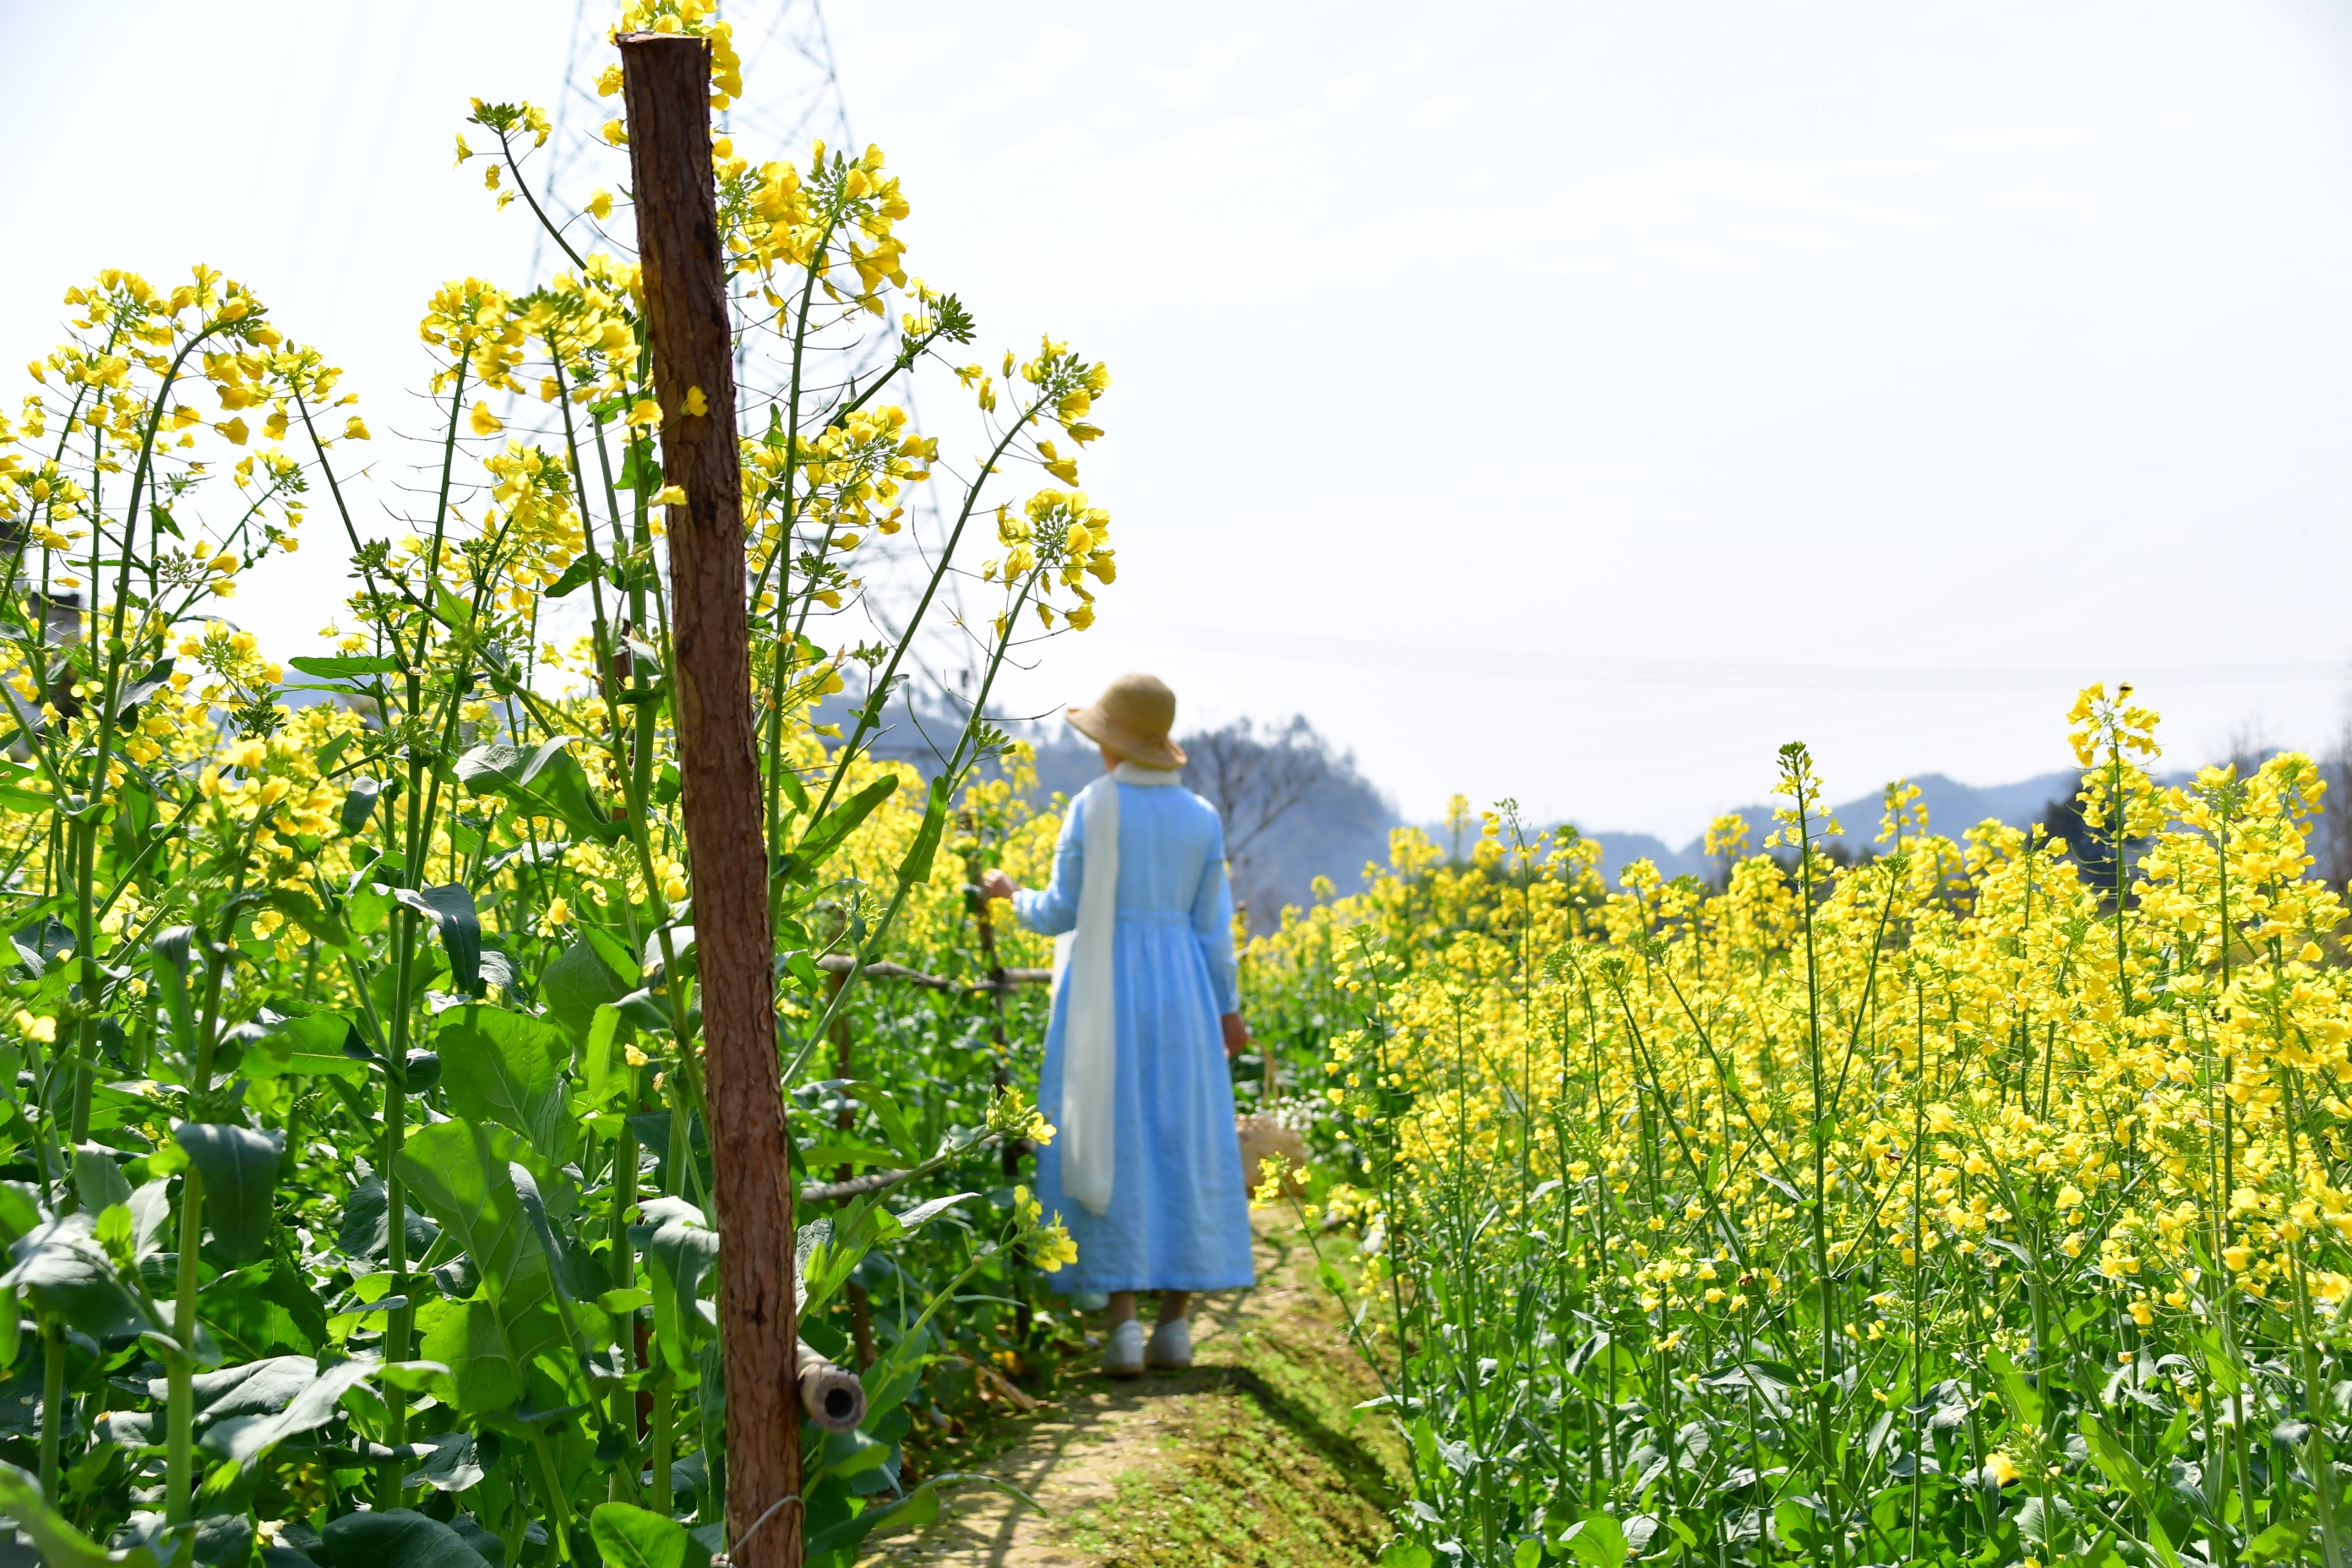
[(1263, 1137)]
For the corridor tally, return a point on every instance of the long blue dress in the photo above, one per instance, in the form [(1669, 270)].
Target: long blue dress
[(1179, 1214)]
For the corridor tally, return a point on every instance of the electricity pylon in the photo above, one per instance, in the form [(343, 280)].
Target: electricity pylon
[(792, 98)]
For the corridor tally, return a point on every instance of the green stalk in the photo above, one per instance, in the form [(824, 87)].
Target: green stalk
[(52, 1399), (179, 1445), (1799, 781), (180, 1409), (559, 1516), (417, 840), (624, 1274), (664, 1435), (395, 1107)]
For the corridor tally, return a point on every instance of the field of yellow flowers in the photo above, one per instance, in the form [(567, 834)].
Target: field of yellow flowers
[(355, 1187), (1954, 1206), (1951, 1206)]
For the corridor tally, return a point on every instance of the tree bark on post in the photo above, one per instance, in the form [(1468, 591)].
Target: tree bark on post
[(666, 81)]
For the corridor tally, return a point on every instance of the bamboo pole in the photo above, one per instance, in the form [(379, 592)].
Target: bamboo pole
[(666, 81)]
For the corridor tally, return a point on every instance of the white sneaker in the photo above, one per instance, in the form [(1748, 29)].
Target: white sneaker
[(1171, 1346), (1123, 1357)]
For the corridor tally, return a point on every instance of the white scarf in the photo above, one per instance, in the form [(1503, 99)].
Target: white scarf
[(1082, 968)]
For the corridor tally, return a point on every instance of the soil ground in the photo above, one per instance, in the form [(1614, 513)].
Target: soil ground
[(1254, 1457)]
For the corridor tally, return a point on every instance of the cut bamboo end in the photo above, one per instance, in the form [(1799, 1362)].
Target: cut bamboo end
[(831, 1395)]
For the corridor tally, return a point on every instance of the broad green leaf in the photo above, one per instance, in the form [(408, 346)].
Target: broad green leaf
[(2115, 1460), (575, 576), (795, 791), (917, 867), (134, 692), (601, 1053), (97, 1181), (877, 1100), (59, 1542), (239, 1167), (266, 1306), (2024, 1402), (841, 1149), (450, 908), (2280, 1541), (257, 1388), (574, 983), (453, 1466), (458, 1171), (1599, 1542), (630, 1537), (150, 1213), (679, 942), (369, 904), (304, 911), (336, 666), (366, 1230), (653, 1128), (615, 955), (313, 1046), (2162, 1543), (462, 1171), (17, 792), (243, 1439), (547, 780), (20, 1210), (508, 1067), (919, 1506), (580, 1285), (360, 804), (2043, 1524), (2219, 1364), (849, 1454), (61, 1269), (825, 834), (930, 1209), (38, 944), (396, 1538), (644, 1010), (678, 1253), (1793, 1520), (826, 1250), (488, 1349)]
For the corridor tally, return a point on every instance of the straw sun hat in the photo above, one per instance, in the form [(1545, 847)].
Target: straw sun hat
[(1133, 716)]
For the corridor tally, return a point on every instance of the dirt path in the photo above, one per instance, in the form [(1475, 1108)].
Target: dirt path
[(1254, 1456)]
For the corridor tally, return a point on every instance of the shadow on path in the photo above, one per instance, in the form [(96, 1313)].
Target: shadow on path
[(1249, 1458)]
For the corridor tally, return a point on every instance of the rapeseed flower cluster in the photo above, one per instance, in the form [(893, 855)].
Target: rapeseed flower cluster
[(1951, 1190)]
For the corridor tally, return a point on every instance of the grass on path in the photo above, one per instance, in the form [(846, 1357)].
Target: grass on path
[(1253, 1458)]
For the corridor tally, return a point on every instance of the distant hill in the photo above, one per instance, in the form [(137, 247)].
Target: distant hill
[(1293, 809), (1296, 809), (1952, 809)]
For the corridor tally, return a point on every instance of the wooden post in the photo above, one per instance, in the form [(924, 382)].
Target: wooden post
[(666, 80)]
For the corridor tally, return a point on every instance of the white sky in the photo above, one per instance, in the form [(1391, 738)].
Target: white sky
[(1570, 402)]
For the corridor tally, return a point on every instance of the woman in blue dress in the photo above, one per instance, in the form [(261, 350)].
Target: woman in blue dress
[(1146, 1170)]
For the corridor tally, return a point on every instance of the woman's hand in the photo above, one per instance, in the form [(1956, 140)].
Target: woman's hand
[(1237, 1034), (995, 884)]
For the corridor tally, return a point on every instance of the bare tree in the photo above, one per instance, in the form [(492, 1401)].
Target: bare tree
[(1254, 778), (2331, 839), (2250, 746)]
